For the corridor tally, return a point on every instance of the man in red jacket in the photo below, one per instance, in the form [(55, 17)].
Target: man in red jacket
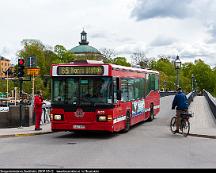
[(38, 101)]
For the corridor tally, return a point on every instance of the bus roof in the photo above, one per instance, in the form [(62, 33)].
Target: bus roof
[(114, 66)]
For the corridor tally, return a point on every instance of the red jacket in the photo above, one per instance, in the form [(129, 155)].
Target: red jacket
[(38, 101)]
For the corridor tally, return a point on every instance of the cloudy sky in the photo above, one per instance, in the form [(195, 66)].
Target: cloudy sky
[(157, 27)]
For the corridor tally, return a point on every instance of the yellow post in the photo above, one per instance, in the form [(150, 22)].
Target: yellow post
[(7, 88), (33, 86)]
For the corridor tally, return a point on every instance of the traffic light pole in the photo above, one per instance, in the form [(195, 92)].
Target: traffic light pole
[(21, 67), (21, 101)]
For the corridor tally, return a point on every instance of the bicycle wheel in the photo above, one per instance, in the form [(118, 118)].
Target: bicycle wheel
[(185, 127), (173, 125)]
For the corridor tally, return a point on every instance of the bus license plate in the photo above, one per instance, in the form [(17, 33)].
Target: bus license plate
[(78, 126)]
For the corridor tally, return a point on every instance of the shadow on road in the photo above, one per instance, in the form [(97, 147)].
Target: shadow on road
[(87, 135)]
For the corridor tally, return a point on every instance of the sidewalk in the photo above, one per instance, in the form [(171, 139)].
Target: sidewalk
[(25, 131), (203, 123)]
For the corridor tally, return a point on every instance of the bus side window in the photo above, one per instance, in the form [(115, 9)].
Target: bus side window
[(116, 90), (124, 90), (156, 82)]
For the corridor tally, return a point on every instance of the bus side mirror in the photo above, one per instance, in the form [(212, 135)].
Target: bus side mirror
[(118, 94)]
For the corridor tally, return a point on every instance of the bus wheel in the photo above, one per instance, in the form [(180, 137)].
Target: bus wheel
[(127, 123), (151, 118)]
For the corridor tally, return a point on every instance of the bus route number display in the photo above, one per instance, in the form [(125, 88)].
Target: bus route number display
[(80, 70)]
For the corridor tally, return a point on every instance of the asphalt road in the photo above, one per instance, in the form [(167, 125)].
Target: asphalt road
[(146, 145)]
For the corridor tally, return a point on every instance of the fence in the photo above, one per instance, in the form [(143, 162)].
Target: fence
[(190, 95), (211, 101)]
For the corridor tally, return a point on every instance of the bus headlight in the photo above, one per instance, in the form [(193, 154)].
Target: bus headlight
[(102, 118), (58, 117)]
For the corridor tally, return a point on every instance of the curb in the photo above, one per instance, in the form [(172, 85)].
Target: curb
[(202, 136), (24, 134)]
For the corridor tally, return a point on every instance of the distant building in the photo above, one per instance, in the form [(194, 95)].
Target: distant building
[(4, 66), (84, 51)]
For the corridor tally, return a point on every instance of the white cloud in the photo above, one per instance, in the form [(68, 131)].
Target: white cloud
[(171, 27), (147, 9), (162, 41)]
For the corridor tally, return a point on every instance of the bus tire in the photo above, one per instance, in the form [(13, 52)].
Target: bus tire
[(127, 122)]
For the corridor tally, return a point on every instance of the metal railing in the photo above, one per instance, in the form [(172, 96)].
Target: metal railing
[(211, 101), (167, 93), (190, 95)]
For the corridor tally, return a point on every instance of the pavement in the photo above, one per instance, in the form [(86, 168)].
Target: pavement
[(25, 131), (203, 124)]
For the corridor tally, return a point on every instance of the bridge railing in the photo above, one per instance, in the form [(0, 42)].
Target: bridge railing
[(211, 101), (167, 93), (190, 96)]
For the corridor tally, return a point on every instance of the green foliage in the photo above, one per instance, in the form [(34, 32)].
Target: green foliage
[(63, 55), (3, 84), (166, 66), (204, 75), (121, 61), (167, 72)]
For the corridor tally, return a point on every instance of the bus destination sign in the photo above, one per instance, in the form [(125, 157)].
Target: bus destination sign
[(80, 70)]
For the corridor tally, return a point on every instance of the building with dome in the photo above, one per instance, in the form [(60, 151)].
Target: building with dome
[(84, 51)]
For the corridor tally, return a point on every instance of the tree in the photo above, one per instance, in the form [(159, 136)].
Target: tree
[(204, 76), (107, 54), (44, 58), (34, 48), (121, 61), (64, 56), (139, 58)]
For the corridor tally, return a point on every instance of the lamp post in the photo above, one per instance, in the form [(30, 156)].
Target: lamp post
[(165, 83), (177, 64), (192, 81), (195, 84)]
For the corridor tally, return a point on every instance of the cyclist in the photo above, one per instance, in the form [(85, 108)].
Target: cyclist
[(180, 102)]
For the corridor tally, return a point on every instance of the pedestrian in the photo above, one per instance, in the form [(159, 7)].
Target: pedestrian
[(38, 102), (180, 102)]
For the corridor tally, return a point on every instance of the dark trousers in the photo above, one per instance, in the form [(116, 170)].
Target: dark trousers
[(178, 117)]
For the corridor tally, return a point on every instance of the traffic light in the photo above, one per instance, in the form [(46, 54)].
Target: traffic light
[(31, 61), (21, 66)]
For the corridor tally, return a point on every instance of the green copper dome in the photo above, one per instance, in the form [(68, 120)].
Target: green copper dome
[(84, 49)]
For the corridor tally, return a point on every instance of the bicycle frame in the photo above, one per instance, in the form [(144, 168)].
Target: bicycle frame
[(184, 123)]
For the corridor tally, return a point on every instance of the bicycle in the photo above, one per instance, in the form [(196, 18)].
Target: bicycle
[(184, 125)]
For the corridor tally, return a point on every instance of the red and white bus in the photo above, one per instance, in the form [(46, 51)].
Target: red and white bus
[(92, 96)]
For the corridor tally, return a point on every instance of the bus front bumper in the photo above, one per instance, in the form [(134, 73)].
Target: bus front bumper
[(97, 126)]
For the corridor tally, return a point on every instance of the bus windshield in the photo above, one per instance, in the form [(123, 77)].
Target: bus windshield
[(82, 91)]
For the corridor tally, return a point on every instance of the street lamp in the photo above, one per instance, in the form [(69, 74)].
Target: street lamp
[(165, 84), (195, 84), (177, 64), (192, 81)]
